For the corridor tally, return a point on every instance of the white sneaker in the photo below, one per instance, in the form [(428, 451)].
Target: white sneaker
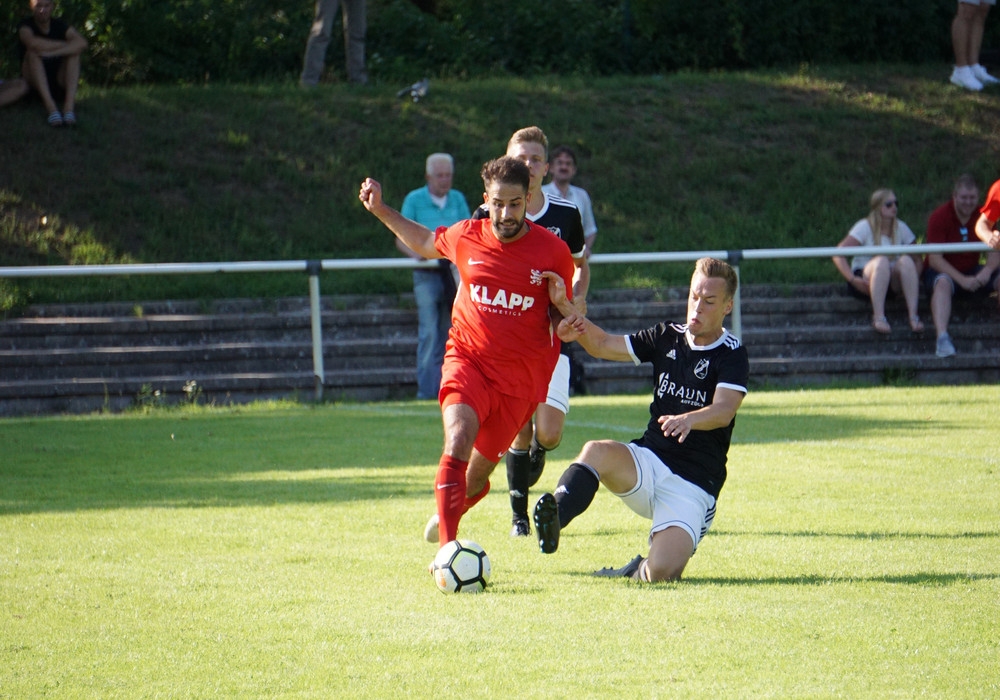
[(963, 77), (431, 531), (982, 76), (945, 348)]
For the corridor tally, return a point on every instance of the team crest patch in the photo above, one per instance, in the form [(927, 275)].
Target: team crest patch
[(536, 277), (701, 369)]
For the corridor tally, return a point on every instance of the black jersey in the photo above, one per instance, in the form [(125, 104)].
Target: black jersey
[(57, 32), (686, 378), (558, 215)]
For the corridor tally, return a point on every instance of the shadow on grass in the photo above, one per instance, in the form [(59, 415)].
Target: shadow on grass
[(126, 492), (860, 535), (329, 456), (755, 427), (920, 578)]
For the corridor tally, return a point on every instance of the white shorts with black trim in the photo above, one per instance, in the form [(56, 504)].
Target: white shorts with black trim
[(667, 499), (558, 396)]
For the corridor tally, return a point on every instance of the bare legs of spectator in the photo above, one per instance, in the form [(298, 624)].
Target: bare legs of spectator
[(69, 78), (13, 90), (902, 277), (941, 305), (967, 40), (34, 73)]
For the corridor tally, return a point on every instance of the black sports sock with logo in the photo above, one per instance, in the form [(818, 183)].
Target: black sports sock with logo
[(536, 456), (575, 492), (518, 464)]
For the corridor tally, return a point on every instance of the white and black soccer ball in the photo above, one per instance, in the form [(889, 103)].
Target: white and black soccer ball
[(461, 566)]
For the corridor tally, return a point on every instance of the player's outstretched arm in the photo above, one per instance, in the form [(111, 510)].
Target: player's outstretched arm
[(414, 236), (717, 414), (594, 339), (984, 229)]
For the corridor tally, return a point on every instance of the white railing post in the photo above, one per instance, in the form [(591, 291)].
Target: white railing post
[(313, 267), (737, 315)]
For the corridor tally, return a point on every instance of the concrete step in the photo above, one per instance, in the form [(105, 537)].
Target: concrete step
[(186, 329), (86, 394), (84, 357), (205, 358)]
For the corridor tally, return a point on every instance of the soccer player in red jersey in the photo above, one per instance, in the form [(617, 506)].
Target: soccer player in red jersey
[(502, 347), (989, 215)]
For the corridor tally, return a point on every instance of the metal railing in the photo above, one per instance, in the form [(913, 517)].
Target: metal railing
[(314, 267)]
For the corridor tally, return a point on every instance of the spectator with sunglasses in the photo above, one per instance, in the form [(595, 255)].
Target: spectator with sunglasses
[(948, 274), (874, 277)]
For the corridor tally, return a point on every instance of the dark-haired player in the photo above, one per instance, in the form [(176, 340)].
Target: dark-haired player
[(501, 348), (526, 457), (674, 472)]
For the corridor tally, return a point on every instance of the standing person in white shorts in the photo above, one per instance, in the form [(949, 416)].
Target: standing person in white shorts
[(966, 40), (673, 473)]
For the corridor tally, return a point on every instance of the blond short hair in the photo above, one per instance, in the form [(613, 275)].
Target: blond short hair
[(530, 134)]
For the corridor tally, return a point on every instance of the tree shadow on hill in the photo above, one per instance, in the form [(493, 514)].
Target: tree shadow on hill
[(182, 173)]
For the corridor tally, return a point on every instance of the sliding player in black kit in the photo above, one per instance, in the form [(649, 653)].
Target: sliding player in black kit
[(673, 474)]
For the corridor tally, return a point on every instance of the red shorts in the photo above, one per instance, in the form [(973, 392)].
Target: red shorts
[(500, 415)]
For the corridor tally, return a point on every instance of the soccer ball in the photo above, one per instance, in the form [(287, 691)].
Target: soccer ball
[(461, 566)]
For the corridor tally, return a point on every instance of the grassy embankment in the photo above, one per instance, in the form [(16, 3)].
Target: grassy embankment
[(690, 161)]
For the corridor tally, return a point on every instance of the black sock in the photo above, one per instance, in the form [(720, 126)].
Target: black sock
[(518, 464), (537, 456), (575, 492)]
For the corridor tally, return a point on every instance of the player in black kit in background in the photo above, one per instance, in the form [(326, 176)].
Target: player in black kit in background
[(526, 457), (672, 474)]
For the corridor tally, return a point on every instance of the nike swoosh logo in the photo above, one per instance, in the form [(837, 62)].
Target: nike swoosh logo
[(476, 262), (445, 486)]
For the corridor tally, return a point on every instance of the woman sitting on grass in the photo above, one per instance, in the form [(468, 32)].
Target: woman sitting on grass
[(50, 52), (873, 277)]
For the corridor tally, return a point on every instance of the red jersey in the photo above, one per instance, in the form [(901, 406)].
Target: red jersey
[(943, 226), (500, 319), (991, 207)]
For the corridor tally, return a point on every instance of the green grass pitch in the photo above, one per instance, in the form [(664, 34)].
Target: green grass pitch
[(276, 551)]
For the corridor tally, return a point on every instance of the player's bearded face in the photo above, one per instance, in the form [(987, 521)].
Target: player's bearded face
[(508, 207)]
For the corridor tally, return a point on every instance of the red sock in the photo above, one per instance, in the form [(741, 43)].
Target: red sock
[(473, 500), (449, 492)]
